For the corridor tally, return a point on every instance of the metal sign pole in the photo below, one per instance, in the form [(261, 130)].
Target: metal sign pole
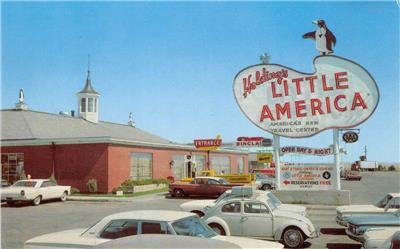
[(277, 161), (336, 153)]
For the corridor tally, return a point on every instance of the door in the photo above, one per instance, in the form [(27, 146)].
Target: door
[(231, 214), (256, 220)]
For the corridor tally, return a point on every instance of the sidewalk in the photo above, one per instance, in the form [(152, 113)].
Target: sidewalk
[(115, 198)]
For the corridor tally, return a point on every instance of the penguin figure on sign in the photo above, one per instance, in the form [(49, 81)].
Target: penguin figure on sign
[(324, 38)]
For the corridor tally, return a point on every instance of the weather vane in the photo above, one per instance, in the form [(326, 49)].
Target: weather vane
[(264, 58)]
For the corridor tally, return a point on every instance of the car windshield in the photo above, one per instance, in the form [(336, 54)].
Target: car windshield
[(222, 181), (221, 197), (273, 200), (381, 203), (30, 184), (192, 226)]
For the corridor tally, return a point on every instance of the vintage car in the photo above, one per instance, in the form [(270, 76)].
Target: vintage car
[(393, 242), (359, 224), (259, 217), (352, 175), (201, 206), (136, 223), (375, 238), (200, 186), (34, 191), (264, 181), (388, 203)]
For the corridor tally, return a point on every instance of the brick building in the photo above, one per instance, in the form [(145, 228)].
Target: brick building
[(78, 148)]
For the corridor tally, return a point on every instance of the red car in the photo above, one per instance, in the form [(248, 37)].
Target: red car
[(201, 186)]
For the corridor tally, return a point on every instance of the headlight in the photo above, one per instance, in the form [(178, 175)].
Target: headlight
[(360, 230), (22, 192)]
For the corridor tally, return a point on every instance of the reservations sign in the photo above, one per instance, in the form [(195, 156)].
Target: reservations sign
[(300, 177), (285, 102)]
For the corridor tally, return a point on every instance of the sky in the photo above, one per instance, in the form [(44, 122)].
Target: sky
[(172, 64)]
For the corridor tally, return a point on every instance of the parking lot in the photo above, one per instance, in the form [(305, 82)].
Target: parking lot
[(23, 222)]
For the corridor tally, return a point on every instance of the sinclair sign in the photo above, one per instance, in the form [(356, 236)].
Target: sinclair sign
[(285, 102)]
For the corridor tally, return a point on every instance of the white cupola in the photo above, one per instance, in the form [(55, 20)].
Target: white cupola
[(88, 102)]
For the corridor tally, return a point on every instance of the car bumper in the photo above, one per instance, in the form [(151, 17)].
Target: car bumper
[(14, 198), (341, 222), (359, 238)]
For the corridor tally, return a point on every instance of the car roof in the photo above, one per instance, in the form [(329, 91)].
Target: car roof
[(209, 177), (394, 194), (151, 215), (165, 241)]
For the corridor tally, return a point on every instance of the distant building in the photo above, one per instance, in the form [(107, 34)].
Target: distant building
[(77, 148)]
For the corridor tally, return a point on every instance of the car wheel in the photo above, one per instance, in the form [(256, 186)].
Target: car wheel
[(266, 187), (37, 200), (199, 213), (10, 203), (217, 228), (179, 193), (293, 237), (64, 196)]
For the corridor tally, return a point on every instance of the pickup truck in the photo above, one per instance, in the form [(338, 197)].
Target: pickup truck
[(200, 186)]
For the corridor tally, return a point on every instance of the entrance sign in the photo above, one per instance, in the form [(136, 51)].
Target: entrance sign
[(306, 150), (298, 177), (264, 157), (207, 144), (285, 102)]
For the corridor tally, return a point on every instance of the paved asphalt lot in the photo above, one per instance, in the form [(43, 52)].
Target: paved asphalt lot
[(23, 222)]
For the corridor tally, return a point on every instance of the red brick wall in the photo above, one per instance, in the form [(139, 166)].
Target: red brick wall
[(75, 164)]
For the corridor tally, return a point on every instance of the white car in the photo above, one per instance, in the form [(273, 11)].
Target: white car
[(135, 223), (258, 217), (376, 237), (34, 191), (201, 206), (389, 203)]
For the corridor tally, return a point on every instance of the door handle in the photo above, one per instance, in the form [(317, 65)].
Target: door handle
[(243, 219)]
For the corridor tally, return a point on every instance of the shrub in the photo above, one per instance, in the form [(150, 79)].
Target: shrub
[(53, 178), (127, 185), (75, 190), (92, 185), (22, 176), (392, 168)]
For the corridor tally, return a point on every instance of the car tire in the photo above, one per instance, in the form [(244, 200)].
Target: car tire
[(293, 237), (64, 196), (37, 200), (266, 187), (217, 228), (179, 193)]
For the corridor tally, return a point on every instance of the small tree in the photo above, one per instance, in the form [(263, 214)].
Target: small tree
[(22, 176), (92, 186), (392, 168), (53, 178)]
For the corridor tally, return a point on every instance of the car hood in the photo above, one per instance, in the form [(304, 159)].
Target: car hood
[(357, 208), (247, 243), (69, 237), (293, 208), (198, 204), (390, 219)]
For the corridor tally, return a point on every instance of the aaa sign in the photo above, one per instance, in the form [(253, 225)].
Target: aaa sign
[(289, 103)]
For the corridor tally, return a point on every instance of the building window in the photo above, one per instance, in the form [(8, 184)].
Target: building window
[(221, 164), (95, 104), (177, 169), (12, 165), (141, 166), (83, 104), (240, 165), (200, 163), (90, 104)]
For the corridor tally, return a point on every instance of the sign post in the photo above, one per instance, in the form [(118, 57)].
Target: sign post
[(336, 153), (276, 141)]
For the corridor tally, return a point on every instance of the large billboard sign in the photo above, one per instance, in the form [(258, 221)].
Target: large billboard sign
[(285, 102), (302, 177)]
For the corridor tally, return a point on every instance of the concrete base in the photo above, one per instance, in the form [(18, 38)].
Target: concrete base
[(319, 197)]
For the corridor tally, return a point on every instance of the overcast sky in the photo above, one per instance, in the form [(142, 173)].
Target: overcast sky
[(172, 64)]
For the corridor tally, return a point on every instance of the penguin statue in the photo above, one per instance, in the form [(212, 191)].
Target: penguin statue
[(324, 38)]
